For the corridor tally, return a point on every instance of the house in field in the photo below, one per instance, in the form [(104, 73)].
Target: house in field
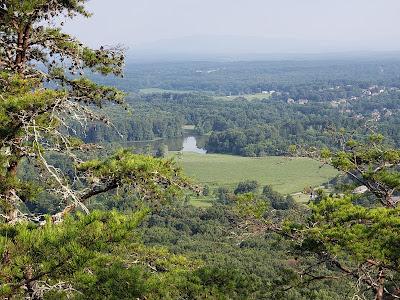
[(302, 101), (336, 103), (376, 115), (358, 117), (291, 101), (366, 93), (388, 113)]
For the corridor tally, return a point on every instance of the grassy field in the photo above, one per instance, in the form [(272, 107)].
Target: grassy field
[(286, 175), (161, 91), (249, 97)]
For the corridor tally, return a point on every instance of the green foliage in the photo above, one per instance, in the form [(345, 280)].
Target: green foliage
[(374, 165), (162, 151), (55, 253), (277, 200), (157, 178), (38, 98), (224, 195), (112, 280), (244, 128), (147, 123), (249, 205), (94, 93), (73, 7), (236, 263), (99, 255), (41, 100), (361, 242), (244, 187), (345, 229), (206, 190), (44, 94)]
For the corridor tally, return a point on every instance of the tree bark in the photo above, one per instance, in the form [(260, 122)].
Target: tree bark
[(12, 211), (22, 47), (29, 286), (380, 290)]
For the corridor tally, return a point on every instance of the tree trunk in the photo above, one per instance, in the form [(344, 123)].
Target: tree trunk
[(30, 284), (380, 290), (11, 210), (22, 44), (11, 197)]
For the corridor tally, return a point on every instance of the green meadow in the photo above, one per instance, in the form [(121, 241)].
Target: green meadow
[(162, 91), (286, 175), (249, 97)]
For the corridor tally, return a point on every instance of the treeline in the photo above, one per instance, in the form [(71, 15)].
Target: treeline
[(309, 79), (248, 128), (141, 124), (252, 128), (261, 127), (183, 252), (236, 264), (251, 189)]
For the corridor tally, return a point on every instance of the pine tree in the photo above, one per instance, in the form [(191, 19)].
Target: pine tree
[(43, 87), (359, 243), (373, 165)]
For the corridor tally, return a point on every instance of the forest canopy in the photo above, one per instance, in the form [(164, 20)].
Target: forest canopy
[(82, 217)]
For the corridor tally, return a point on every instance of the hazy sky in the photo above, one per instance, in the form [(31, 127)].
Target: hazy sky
[(359, 23)]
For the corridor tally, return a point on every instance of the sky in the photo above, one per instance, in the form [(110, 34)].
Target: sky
[(335, 25)]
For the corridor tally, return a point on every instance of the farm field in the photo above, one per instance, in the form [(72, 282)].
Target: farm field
[(286, 175), (249, 97), (161, 91)]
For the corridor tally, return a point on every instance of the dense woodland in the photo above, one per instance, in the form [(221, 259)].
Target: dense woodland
[(252, 127), (301, 78), (79, 220)]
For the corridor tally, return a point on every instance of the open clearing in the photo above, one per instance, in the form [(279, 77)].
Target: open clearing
[(162, 91), (286, 175), (248, 97)]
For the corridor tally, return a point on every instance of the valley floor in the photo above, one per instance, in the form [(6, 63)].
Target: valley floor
[(285, 174)]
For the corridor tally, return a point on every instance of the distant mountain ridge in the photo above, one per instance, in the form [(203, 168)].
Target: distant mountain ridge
[(228, 48)]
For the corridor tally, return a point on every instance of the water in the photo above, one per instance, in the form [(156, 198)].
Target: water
[(187, 143), (190, 145)]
